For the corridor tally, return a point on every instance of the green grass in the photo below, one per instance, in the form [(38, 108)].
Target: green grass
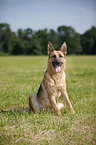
[(21, 75)]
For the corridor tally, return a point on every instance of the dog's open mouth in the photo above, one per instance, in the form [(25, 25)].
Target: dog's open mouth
[(57, 68), (57, 65)]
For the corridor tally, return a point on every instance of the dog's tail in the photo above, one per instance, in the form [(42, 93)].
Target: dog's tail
[(22, 110)]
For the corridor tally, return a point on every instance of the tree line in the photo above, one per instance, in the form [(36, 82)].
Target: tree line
[(29, 42)]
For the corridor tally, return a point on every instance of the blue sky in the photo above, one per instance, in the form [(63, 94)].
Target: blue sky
[(40, 14)]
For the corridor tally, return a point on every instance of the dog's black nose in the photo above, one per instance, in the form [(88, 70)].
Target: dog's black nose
[(57, 62)]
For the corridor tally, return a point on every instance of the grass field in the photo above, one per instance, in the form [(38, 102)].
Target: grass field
[(21, 75)]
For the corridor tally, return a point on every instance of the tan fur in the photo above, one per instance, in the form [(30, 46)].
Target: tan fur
[(53, 85)]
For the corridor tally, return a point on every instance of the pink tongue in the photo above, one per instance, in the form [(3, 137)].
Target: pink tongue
[(57, 68)]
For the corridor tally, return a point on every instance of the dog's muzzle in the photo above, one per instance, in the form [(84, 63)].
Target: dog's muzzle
[(57, 65)]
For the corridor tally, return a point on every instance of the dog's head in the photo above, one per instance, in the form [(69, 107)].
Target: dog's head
[(56, 60)]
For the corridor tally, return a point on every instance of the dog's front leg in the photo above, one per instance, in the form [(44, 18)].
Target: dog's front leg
[(54, 105), (67, 101)]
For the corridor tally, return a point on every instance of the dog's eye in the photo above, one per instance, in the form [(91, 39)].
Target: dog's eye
[(54, 56), (60, 55)]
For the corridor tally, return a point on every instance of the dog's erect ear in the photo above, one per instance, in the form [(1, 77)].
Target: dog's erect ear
[(64, 48), (50, 48)]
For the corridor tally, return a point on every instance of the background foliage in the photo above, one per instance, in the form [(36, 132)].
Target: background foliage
[(29, 42)]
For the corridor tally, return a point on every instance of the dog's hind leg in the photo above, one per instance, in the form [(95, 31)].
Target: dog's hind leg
[(33, 103), (60, 106)]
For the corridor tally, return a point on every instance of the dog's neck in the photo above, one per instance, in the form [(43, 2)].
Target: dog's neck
[(55, 74)]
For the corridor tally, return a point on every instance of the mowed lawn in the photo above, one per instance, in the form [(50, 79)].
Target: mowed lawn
[(21, 75)]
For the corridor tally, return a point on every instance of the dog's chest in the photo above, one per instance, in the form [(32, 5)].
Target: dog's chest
[(54, 84), (59, 80)]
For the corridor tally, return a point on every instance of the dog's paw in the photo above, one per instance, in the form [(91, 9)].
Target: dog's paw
[(73, 112), (59, 113)]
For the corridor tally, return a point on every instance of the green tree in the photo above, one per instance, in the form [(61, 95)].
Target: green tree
[(36, 46), (53, 36), (35, 42), (42, 36), (23, 44), (72, 39), (88, 41), (6, 38)]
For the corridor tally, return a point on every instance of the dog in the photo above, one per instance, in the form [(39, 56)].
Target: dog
[(53, 85)]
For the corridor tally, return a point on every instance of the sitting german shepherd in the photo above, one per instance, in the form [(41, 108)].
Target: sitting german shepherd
[(53, 85)]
